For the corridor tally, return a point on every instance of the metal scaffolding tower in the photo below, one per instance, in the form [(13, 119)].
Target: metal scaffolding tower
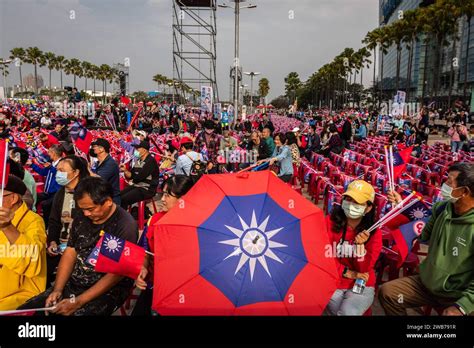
[(194, 45)]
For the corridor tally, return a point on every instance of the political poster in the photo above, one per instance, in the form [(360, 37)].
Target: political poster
[(206, 99)]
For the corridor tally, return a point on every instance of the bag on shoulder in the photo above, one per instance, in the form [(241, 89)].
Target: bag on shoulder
[(198, 168)]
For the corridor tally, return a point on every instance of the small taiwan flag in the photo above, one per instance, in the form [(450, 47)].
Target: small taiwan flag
[(81, 137), (418, 211), (405, 236), (119, 256), (400, 161)]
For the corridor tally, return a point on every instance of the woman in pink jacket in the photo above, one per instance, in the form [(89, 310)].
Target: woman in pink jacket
[(458, 134)]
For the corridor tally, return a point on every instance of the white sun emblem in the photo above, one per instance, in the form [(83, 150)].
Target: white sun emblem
[(418, 213), (254, 243), (112, 244)]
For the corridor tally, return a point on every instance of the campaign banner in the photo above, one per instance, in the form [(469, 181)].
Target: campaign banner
[(217, 110), (206, 99)]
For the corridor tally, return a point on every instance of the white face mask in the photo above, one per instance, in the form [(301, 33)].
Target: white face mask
[(353, 210), (446, 192)]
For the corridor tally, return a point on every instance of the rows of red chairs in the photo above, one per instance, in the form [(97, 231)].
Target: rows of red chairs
[(327, 179)]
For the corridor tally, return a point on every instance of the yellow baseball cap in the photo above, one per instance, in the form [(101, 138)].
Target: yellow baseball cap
[(360, 191)]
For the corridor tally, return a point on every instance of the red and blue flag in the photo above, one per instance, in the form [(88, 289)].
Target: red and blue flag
[(400, 161), (119, 256)]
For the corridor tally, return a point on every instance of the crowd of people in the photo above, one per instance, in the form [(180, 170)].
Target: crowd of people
[(59, 201)]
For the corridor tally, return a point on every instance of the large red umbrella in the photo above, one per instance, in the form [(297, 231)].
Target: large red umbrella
[(242, 244), (261, 106)]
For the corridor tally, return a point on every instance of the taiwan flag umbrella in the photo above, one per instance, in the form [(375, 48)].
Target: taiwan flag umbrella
[(242, 244)]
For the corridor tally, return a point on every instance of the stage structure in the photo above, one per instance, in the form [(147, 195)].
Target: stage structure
[(194, 46)]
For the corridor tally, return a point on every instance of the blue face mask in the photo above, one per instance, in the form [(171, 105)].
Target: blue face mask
[(61, 178), (136, 154)]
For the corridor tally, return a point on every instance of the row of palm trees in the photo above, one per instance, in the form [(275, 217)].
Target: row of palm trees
[(79, 69), (176, 85), (437, 25)]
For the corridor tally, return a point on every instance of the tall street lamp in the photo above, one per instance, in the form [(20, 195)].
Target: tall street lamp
[(237, 9), (252, 74)]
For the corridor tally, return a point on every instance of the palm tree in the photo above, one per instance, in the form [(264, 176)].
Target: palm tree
[(263, 87), (95, 74), (160, 79), (292, 83), (87, 72), (4, 72), (18, 53), (363, 55), (49, 58), (68, 67), (104, 75), (75, 65), (371, 40), (33, 56), (396, 34), (412, 19), (442, 25), (59, 65), (384, 43)]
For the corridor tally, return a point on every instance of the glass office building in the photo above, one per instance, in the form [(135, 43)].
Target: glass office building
[(421, 79)]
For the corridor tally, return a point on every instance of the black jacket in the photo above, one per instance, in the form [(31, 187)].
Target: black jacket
[(346, 133), (145, 174), (110, 172), (263, 149), (54, 225)]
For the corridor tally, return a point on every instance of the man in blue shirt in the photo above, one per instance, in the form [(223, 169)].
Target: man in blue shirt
[(107, 168), (185, 161), (361, 131), (45, 198)]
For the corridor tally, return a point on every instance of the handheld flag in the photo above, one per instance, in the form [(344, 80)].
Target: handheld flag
[(417, 211), (81, 138), (119, 256), (400, 161), (404, 238)]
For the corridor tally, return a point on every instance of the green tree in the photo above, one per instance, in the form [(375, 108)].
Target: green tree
[(292, 83), (34, 56), (87, 72), (49, 58), (59, 65), (263, 87)]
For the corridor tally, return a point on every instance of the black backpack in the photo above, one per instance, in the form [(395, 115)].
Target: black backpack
[(198, 168)]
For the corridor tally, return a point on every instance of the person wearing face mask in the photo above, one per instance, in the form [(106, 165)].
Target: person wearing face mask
[(143, 176), (71, 170), (446, 277), (48, 170), (174, 188), (356, 251), (106, 166), (23, 238)]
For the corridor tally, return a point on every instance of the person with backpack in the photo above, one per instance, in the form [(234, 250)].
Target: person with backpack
[(446, 277), (190, 163)]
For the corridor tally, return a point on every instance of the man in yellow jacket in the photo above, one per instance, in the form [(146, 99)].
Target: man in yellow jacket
[(22, 248)]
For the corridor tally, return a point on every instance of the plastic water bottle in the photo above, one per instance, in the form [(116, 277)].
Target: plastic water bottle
[(359, 286)]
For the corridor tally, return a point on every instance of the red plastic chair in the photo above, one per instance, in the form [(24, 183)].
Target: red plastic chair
[(141, 212), (408, 267)]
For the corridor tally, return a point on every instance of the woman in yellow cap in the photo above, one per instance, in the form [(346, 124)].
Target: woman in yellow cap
[(355, 250)]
